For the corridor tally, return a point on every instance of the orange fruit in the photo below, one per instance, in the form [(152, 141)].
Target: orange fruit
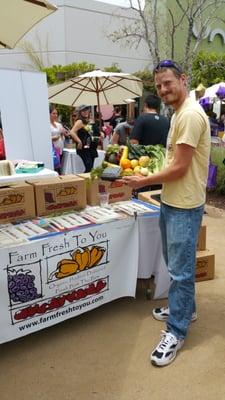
[(125, 163)]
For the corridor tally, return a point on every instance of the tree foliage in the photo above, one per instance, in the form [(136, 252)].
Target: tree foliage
[(208, 69), (160, 25)]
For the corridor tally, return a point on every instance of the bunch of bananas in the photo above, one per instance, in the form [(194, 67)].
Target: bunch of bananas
[(81, 259)]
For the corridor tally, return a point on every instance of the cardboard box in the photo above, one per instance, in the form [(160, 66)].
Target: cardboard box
[(147, 197), (117, 190), (16, 202), (59, 193), (205, 265), (202, 238)]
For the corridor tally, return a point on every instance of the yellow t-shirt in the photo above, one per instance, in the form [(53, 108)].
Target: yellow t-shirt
[(189, 125)]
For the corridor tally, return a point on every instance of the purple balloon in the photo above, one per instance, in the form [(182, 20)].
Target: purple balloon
[(221, 92), (205, 102)]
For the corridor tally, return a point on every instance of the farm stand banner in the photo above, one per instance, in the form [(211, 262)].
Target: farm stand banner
[(46, 281)]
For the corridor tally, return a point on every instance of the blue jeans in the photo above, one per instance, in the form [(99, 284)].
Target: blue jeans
[(179, 230)]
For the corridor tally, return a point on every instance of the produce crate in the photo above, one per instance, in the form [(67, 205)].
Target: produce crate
[(16, 202), (118, 191), (58, 194)]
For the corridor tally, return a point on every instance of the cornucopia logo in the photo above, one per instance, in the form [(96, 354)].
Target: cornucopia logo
[(11, 199), (81, 259), (67, 191)]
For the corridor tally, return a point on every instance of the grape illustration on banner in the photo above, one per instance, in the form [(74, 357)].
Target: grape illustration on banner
[(22, 286)]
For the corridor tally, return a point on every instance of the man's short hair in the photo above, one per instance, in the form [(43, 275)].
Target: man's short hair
[(152, 101)]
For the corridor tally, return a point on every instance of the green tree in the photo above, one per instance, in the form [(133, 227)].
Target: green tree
[(160, 25), (208, 68)]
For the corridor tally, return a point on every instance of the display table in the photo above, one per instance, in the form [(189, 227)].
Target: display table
[(46, 281), (73, 164), (44, 173)]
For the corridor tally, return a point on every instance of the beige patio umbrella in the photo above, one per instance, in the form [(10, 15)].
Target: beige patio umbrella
[(17, 17), (96, 88)]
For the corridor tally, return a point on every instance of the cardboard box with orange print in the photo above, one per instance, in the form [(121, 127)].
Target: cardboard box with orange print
[(117, 190), (57, 194), (16, 202), (205, 265)]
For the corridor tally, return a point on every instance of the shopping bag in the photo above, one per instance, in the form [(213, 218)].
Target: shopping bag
[(2, 150), (212, 175), (56, 157)]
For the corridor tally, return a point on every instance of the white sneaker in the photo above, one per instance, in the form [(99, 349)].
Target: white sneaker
[(166, 350), (162, 314)]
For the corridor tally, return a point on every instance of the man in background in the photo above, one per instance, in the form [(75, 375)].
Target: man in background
[(122, 132), (150, 127)]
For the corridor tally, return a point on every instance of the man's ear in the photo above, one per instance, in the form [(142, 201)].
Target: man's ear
[(183, 77)]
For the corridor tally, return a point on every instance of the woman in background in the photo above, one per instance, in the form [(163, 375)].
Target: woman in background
[(58, 133), (82, 135)]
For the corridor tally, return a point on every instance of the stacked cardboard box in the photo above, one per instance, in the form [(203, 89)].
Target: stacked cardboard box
[(16, 202), (117, 190), (58, 194), (205, 259)]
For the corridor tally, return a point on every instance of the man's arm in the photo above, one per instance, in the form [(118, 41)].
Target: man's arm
[(177, 169), (115, 138)]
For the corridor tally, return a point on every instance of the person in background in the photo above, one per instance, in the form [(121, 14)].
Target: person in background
[(2, 144), (221, 123), (58, 133), (73, 117), (82, 135), (118, 116), (150, 127), (182, 204), (97, 128), (122, 132), (214, 126)]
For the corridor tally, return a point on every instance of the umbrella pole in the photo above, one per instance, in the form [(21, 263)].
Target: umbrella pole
[(98, 102), (99, 110)]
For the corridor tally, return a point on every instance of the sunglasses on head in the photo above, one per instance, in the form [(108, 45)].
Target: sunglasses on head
[(168, 64)]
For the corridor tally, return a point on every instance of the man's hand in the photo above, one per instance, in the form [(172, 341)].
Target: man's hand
[(135, 181)]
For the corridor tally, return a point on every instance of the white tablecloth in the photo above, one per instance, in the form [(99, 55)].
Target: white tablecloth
[(151, 261), (73, 164), (44, 173)]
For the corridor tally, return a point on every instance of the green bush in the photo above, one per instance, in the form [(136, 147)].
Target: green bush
[(208, 69)]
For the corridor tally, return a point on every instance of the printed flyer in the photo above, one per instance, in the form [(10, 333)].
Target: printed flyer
[(46, 281)]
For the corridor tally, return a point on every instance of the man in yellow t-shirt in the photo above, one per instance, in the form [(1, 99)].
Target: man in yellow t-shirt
[(184, 181)]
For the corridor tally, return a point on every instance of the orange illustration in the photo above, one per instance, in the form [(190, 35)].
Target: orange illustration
[(67, 191), (81, 259), (12, 199)]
